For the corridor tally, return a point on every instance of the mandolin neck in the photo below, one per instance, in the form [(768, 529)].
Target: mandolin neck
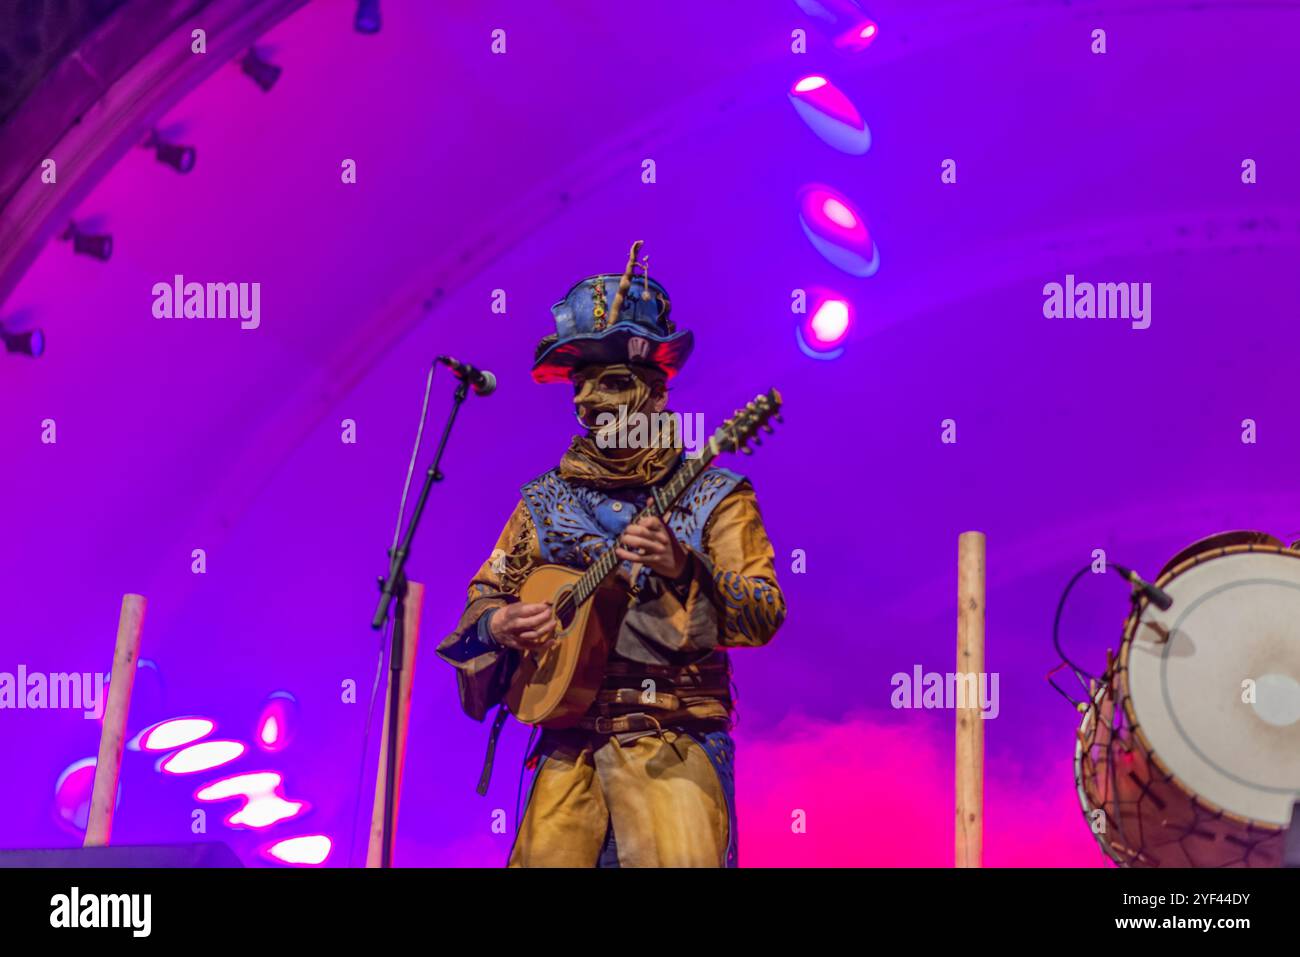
[(661, 500)]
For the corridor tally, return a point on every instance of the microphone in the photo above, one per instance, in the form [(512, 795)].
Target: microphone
[(484, 382), (1157, 596)]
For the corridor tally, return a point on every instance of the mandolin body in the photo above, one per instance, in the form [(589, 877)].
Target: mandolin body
[(555, 687)]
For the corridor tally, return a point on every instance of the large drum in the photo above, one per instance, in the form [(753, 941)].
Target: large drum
[(1189, 752)]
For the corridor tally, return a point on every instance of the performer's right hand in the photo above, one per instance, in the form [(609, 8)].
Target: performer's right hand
[(526, 627)]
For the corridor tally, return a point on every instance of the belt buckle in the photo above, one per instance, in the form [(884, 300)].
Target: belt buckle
[(604, 724)]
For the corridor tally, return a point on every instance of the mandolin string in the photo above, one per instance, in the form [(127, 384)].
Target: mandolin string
[(601, 568)]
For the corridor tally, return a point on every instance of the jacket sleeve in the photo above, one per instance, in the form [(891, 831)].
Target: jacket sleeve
[(728, 596), (483, 668)]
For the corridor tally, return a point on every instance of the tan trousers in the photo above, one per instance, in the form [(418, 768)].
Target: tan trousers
[(660, 793)]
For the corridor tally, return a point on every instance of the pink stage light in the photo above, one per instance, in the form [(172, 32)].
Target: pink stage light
[(173, 733), (822, 334), (72, 795), (831, 322), (837, 230), (830, 114), (310, 849), (844, 20), (839, 214), (263, 804), (202, 757), (857, 39), (278, 722)]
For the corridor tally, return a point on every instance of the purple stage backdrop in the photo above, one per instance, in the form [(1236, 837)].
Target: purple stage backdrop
[(1007, 152)]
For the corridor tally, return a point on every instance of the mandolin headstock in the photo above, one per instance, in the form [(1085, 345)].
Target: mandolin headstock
[(737, 432)]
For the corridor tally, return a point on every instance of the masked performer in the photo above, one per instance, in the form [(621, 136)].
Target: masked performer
[(645, 778)]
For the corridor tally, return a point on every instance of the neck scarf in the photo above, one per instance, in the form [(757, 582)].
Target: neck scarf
[(588, 463)]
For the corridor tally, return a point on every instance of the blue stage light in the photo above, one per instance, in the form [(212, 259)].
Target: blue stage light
[(367, 20), (28, 343)]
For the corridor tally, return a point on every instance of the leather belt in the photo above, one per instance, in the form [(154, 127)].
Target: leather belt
[(621, 724), (624, 669), (661, 700), (635, 696), (640, 721)]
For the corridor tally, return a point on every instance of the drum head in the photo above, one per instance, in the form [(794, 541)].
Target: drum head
[(1217, 702)]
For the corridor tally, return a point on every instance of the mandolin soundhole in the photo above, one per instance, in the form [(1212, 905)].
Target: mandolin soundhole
[(565, 608)]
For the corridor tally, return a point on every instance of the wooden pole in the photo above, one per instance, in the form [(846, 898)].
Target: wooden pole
[(970, 725), (112, 736), (414, 605)]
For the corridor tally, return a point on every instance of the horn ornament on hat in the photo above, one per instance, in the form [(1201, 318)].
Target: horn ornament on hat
[(625, 283)]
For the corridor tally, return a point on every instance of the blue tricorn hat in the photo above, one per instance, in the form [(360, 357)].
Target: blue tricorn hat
[(611, 319)]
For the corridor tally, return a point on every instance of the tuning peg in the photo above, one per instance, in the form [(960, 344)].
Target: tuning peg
[(768, 428), (747, 450), (756, 440)]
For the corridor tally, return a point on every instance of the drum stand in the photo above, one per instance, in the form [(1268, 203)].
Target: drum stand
[(1291, 847)]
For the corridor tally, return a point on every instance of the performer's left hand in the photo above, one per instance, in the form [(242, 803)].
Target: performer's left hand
[(651, 542)]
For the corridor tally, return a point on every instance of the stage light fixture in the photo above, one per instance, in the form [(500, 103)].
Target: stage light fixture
[(857, 39), (837, 230), (851, 28), (203, 756), (278, 722), (263, 805), (97, 246), (30, 342), (312, 849), (172, 734), (72, 793), (367, 20), (830, 114), (821, 335), (263, 72), (178, 157)]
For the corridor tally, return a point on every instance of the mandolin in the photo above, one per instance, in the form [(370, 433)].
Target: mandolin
[(556, 686)]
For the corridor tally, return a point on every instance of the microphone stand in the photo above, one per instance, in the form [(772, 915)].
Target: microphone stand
[(394, 586)]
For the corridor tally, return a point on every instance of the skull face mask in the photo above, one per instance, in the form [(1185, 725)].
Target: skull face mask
[(603, 396)]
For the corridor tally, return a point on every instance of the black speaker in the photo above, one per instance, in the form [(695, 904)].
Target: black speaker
[(210, 854)]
